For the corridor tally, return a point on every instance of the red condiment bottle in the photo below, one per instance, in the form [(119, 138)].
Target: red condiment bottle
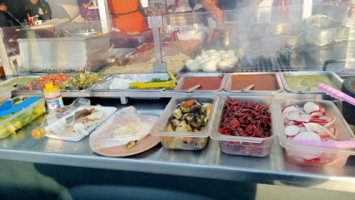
[(29, 19)]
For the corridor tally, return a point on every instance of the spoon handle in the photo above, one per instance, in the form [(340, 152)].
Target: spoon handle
[(192, 88)]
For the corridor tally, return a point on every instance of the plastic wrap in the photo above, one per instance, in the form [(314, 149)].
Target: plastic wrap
[(123, 127), (75, 121)]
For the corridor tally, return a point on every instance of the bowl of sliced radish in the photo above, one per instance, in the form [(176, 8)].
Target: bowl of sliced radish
[(314, 133)]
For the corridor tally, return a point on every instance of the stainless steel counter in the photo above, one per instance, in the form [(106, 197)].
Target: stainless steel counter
[(208, 163)]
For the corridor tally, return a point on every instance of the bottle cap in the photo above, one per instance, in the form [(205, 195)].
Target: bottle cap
[(49, 87), (38, 133)]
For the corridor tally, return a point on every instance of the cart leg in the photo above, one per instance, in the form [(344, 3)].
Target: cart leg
[(124, 100)]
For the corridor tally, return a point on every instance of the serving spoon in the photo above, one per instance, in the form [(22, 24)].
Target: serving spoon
[(248, 88), (191, 89)]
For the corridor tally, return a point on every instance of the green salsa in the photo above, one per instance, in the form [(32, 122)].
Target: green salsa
[(298, 82)]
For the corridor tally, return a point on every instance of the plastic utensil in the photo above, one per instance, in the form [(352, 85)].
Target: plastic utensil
[(191, 89), (336, 93), (6, 105), (304, 89), (21, 106), (248, 88), (334, 144)]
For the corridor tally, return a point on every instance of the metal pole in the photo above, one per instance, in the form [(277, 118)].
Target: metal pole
[(105, 16), (307, 9), (4, 57), (155, 23)]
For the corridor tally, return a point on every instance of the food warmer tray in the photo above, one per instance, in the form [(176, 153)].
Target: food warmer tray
[(184, 76), (228, 84), (334, 77)]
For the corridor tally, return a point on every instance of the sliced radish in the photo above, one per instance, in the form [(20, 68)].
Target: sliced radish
[(292, 130), (326, 118), (293, 115), (305, 154), (309, 135), (330, 123), (317, 114), (318, 129), (323, 136), (301, 110), (289, 109), (317, 120), (303, 118), (303, 129), (333, 130), (310, 107)]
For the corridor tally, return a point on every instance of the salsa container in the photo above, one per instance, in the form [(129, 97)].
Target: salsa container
[(185, 76), (335, 78), (228, 85), (185, 140), (239, 145), (325, 156)]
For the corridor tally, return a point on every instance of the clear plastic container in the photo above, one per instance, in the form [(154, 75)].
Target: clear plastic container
[(239, 145), (21, 118), (185, 140), (308, 155)]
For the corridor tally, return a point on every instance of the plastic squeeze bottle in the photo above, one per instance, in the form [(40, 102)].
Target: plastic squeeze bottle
[(53, 97)]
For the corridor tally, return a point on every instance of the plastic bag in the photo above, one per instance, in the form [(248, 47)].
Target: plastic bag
[(123, 127)]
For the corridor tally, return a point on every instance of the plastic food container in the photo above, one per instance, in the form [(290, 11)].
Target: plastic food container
[(321, 156), (239, 145), (21, 118), (184, 140)]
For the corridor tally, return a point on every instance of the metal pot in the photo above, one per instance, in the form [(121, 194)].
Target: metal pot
[(287, 35), (321, 30)]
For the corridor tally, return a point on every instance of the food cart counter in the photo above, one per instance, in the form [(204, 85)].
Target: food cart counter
[(209, 163), (239, 57)]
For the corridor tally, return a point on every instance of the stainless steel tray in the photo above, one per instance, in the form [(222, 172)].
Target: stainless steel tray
[(334, 77), (65, 92), (183, 77), (228, 84), (13, 78), (104, 85)]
